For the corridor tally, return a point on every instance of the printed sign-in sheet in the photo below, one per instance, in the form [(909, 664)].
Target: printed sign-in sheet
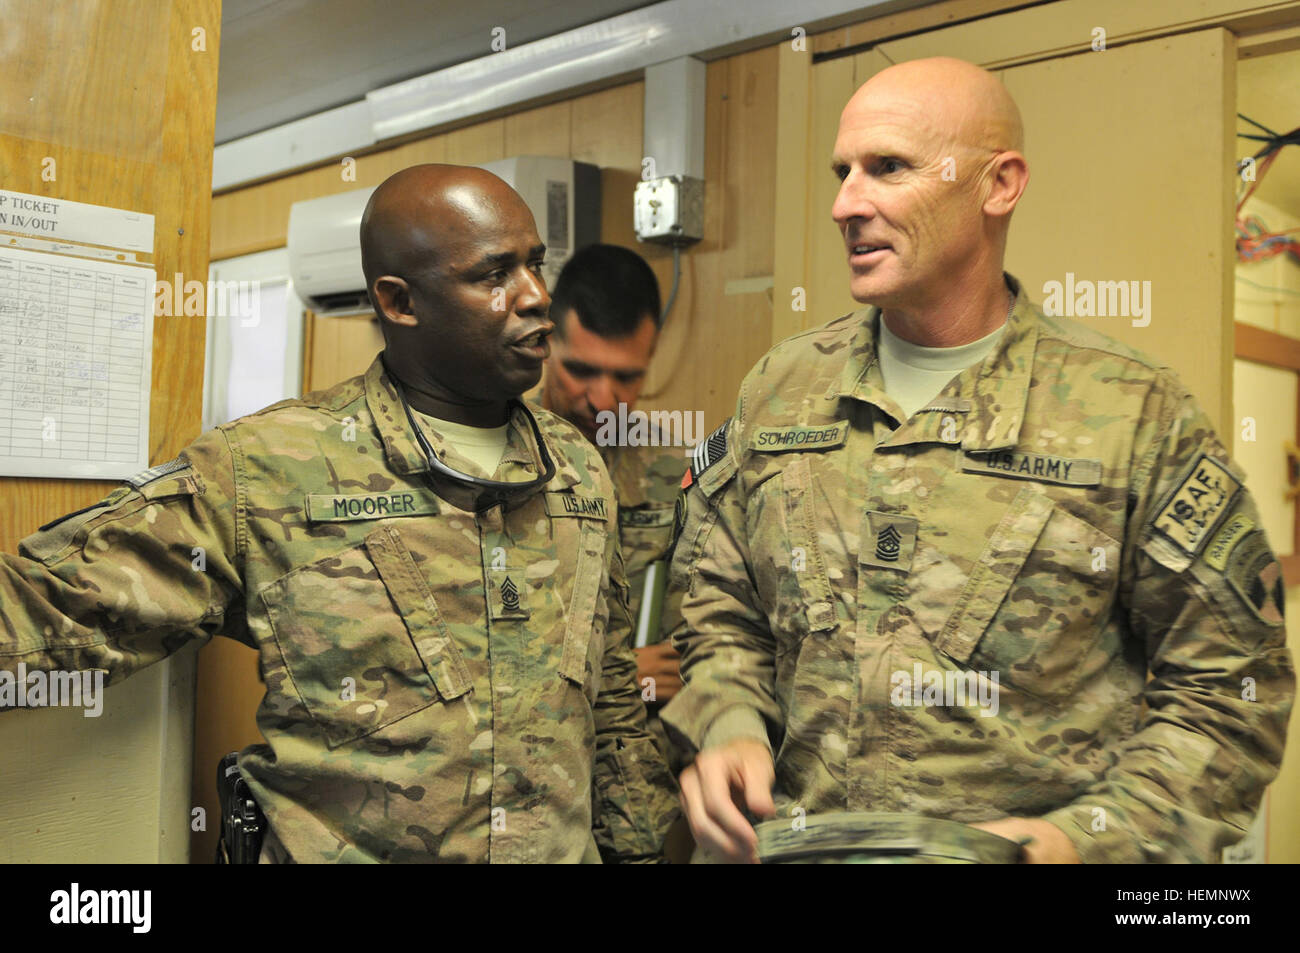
[(76, 350)]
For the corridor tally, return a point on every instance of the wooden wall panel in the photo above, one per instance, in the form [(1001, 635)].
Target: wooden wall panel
[(126, 107), (713, 337)]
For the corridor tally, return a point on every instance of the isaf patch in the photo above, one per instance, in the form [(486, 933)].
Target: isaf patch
[(1195, 509), (1255, 575)]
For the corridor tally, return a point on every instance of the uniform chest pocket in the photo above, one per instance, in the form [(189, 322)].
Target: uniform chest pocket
[(361, 639), (793, 579), (1036, 601)]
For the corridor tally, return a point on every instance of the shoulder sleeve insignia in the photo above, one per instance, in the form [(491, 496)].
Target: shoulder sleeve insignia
[(1193, 512), (1254, 573), (707, 453), (157, 473)]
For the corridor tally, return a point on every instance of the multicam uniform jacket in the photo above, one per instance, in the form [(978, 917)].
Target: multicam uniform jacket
[(448, 677), (1060, 518), (646, 481)]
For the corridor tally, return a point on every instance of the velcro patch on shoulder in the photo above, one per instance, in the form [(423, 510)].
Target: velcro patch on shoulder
[(1220, 549), (573, 504), (145, 477), (1194, 510), (781, 439), (58, 535), (706, 453), (1256, 576)]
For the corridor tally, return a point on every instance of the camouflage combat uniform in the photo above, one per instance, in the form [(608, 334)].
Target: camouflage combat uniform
[(647, 481), (1061, 517), (447, 678)]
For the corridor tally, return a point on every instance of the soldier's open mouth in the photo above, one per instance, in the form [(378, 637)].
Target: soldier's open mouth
[(536, 345)]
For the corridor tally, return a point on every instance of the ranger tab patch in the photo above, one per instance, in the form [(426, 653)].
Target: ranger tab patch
[(1195, 509), (1231, 534), (1042, 467)]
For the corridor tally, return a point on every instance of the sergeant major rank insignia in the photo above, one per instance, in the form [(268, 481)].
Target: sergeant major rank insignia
[(508, 600), (509, 595), (887, 544), (893, 541)]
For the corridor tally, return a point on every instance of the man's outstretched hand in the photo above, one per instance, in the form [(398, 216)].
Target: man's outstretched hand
[(1049, 845), (717, 786)]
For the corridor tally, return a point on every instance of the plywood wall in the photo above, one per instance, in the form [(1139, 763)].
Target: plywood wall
[(120, 99)]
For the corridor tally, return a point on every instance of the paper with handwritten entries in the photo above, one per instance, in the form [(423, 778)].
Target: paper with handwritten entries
[(76, 352)]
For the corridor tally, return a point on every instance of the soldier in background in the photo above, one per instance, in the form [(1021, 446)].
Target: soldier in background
[(607, 316), (606, 310), (429, 571), (949, 536)]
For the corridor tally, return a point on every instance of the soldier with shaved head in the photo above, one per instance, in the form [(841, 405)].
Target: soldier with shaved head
[(428, 569), (958, 559)]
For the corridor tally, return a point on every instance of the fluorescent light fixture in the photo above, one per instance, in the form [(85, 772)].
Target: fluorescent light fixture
[(568, 59), (599, 51), (615, 47)]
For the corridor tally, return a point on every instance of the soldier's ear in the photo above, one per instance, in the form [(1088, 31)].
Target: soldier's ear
[(392, 299)]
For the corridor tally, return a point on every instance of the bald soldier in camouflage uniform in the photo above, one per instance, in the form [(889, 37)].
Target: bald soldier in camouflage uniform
[(447, 661), (950, 609)]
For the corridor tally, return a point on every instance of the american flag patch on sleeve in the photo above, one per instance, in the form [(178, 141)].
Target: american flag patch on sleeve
[(708, 452)]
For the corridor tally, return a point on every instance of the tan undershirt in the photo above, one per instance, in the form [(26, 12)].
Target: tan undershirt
[(914, 375), (485, 446)]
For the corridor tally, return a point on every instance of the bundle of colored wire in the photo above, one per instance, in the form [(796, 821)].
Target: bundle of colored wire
[(1254, 241)]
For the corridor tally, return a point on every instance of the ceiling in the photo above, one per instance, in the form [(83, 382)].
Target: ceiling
[(1267, 92), (285, 59)]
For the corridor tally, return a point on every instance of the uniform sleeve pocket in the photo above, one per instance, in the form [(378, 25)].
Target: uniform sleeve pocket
[(1036, 600), (361, 639), (580, 614), (805, 603)]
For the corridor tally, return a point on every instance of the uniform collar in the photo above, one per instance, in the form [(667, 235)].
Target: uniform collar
[(985, 403), (521, 460)]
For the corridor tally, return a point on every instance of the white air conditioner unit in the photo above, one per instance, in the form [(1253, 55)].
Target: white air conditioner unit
[(324, 233)]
